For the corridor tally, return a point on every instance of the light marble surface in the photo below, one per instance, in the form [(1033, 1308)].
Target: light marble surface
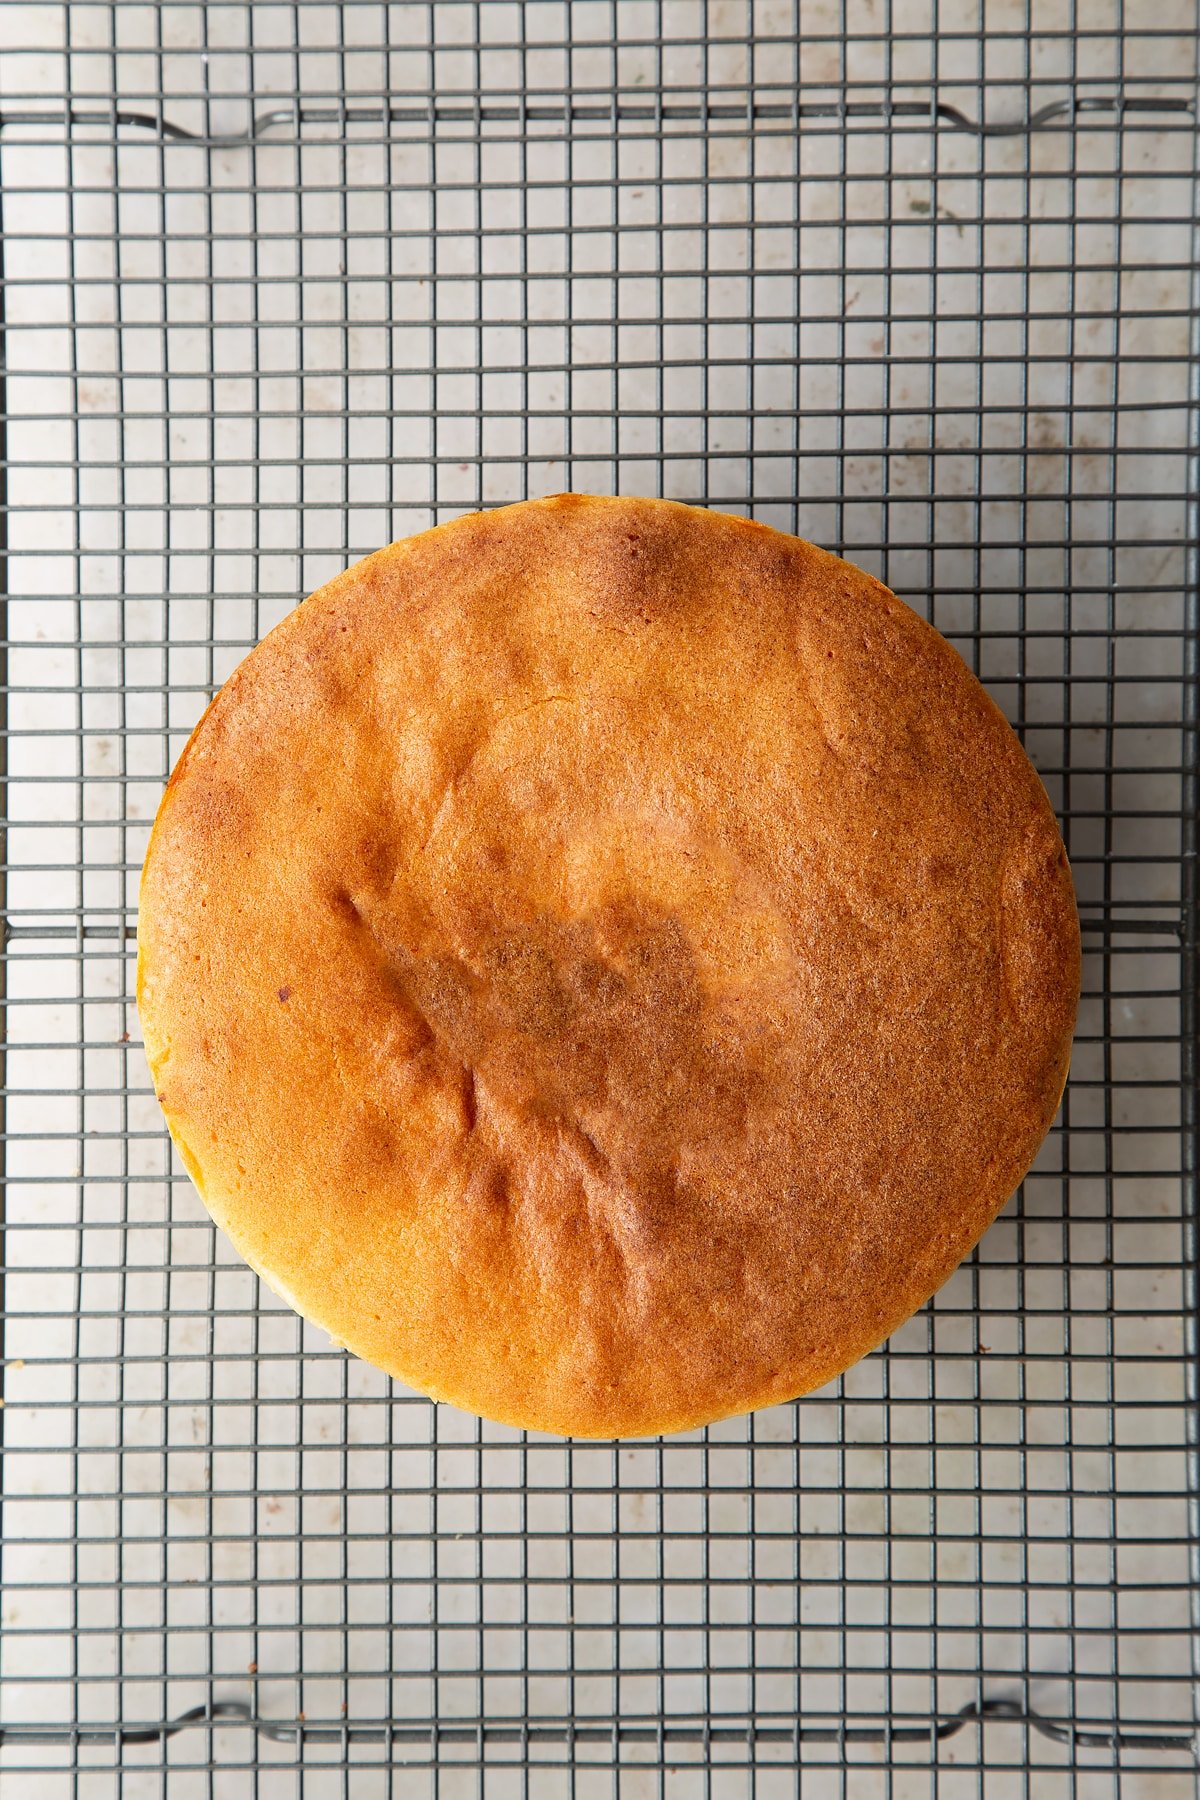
[(964, 363)]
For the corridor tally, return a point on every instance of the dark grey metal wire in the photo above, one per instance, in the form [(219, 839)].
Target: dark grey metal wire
[(1172, 937), (627, 1731), (433, 112)]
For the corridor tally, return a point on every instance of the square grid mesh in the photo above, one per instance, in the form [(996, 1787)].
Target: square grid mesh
[(749, 256)]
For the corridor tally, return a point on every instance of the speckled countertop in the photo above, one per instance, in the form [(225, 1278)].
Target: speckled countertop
[(231, 370)]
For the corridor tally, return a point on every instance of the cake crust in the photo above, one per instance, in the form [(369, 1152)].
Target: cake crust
[(606, 962)]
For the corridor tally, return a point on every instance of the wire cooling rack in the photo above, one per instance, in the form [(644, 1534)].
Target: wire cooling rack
[(287, 281)]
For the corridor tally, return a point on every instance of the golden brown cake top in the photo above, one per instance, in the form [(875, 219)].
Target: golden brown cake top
[(606, 962)]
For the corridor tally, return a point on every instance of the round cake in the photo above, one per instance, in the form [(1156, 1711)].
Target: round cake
[(606, 962)]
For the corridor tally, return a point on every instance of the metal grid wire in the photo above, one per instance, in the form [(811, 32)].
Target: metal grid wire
[(916, 283)]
